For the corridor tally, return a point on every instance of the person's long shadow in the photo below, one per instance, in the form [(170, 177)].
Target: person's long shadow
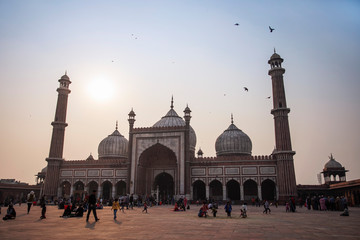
[(21, 215), (90, 225), (117, 222)]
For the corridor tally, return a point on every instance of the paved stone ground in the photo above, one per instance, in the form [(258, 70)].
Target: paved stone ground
[(162, 223)]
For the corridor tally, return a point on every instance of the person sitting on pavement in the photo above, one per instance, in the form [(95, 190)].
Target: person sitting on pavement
[(176, 208), (79, 212), (10, 213), (203, 210), (67, 212), (99, 205), (345, 213)]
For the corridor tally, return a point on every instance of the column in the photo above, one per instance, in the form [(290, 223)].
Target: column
[(71, 190), (241, 192), (191, 193), (60, 192), (259, 192), (207, 191), (224, 192), (113, 191), (87, 189), (157, 194), (99, 191)]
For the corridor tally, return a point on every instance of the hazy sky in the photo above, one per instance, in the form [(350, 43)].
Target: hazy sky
[(137, 54)]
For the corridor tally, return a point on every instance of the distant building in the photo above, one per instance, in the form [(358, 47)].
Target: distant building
[(16, 191), (335, 184), (160, 160)]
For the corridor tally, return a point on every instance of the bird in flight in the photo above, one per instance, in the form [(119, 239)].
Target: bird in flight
[(246, 89), (236, 24), (271, 29), (268, 97)]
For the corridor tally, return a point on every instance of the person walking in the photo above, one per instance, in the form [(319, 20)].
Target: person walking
[(43, 207), (266, 207), (145, 207), (115, 207), (30, 200), (92, 206), (228, 209)]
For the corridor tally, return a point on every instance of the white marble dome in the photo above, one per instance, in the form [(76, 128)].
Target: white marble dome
[(113, 146), (172, 119), (233, 141)]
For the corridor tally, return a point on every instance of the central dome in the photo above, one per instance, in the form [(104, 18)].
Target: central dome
[(233, 141), (172, 119), (113, 146)]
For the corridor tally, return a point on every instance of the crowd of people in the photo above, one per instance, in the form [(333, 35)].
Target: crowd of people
[(77, 207), (324, 203)]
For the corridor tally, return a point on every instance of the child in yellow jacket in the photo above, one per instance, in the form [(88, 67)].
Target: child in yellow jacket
[(115, 207)]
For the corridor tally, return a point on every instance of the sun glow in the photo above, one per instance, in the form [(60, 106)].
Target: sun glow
[(101, 89)]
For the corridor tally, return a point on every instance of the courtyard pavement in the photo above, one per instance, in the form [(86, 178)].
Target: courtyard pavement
[(162, 223)]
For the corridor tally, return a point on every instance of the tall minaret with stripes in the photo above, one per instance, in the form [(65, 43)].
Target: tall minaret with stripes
[(283, 152), (59, 124)]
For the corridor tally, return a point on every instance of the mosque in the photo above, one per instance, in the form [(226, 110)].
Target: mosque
[(160, 160)]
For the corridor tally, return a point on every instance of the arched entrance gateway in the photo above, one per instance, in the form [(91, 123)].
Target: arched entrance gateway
[(216, 192), (199, 190), (157, 169), (65, 189), (233, 190), (164, 186), (92, 186), (79, 192), (106, 194), (121, 188), (250, 189), (268, 190)]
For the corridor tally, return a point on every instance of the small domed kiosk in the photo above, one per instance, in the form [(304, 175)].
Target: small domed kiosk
[(333, 171)]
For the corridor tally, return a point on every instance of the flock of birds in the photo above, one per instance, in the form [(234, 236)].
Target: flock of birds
[(236, 24), (271, 30)]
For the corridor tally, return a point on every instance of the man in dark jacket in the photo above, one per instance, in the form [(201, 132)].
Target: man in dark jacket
[(92, 206)]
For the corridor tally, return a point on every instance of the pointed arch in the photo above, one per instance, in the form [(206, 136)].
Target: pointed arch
[(65, 189), (268, 190), (216, 190), (233, 190), (106, 190), (199, 190), (250, 189)]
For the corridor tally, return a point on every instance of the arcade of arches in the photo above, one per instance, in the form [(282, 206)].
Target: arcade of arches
[(233, 190), (105, 191)]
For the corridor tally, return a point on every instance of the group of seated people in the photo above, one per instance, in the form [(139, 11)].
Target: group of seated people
[(179, 207), (72, 211), (213, 207)]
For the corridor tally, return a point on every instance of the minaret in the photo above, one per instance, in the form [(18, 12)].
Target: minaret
[(131, 119), (59, 124), (283, 152), (187, 118)]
